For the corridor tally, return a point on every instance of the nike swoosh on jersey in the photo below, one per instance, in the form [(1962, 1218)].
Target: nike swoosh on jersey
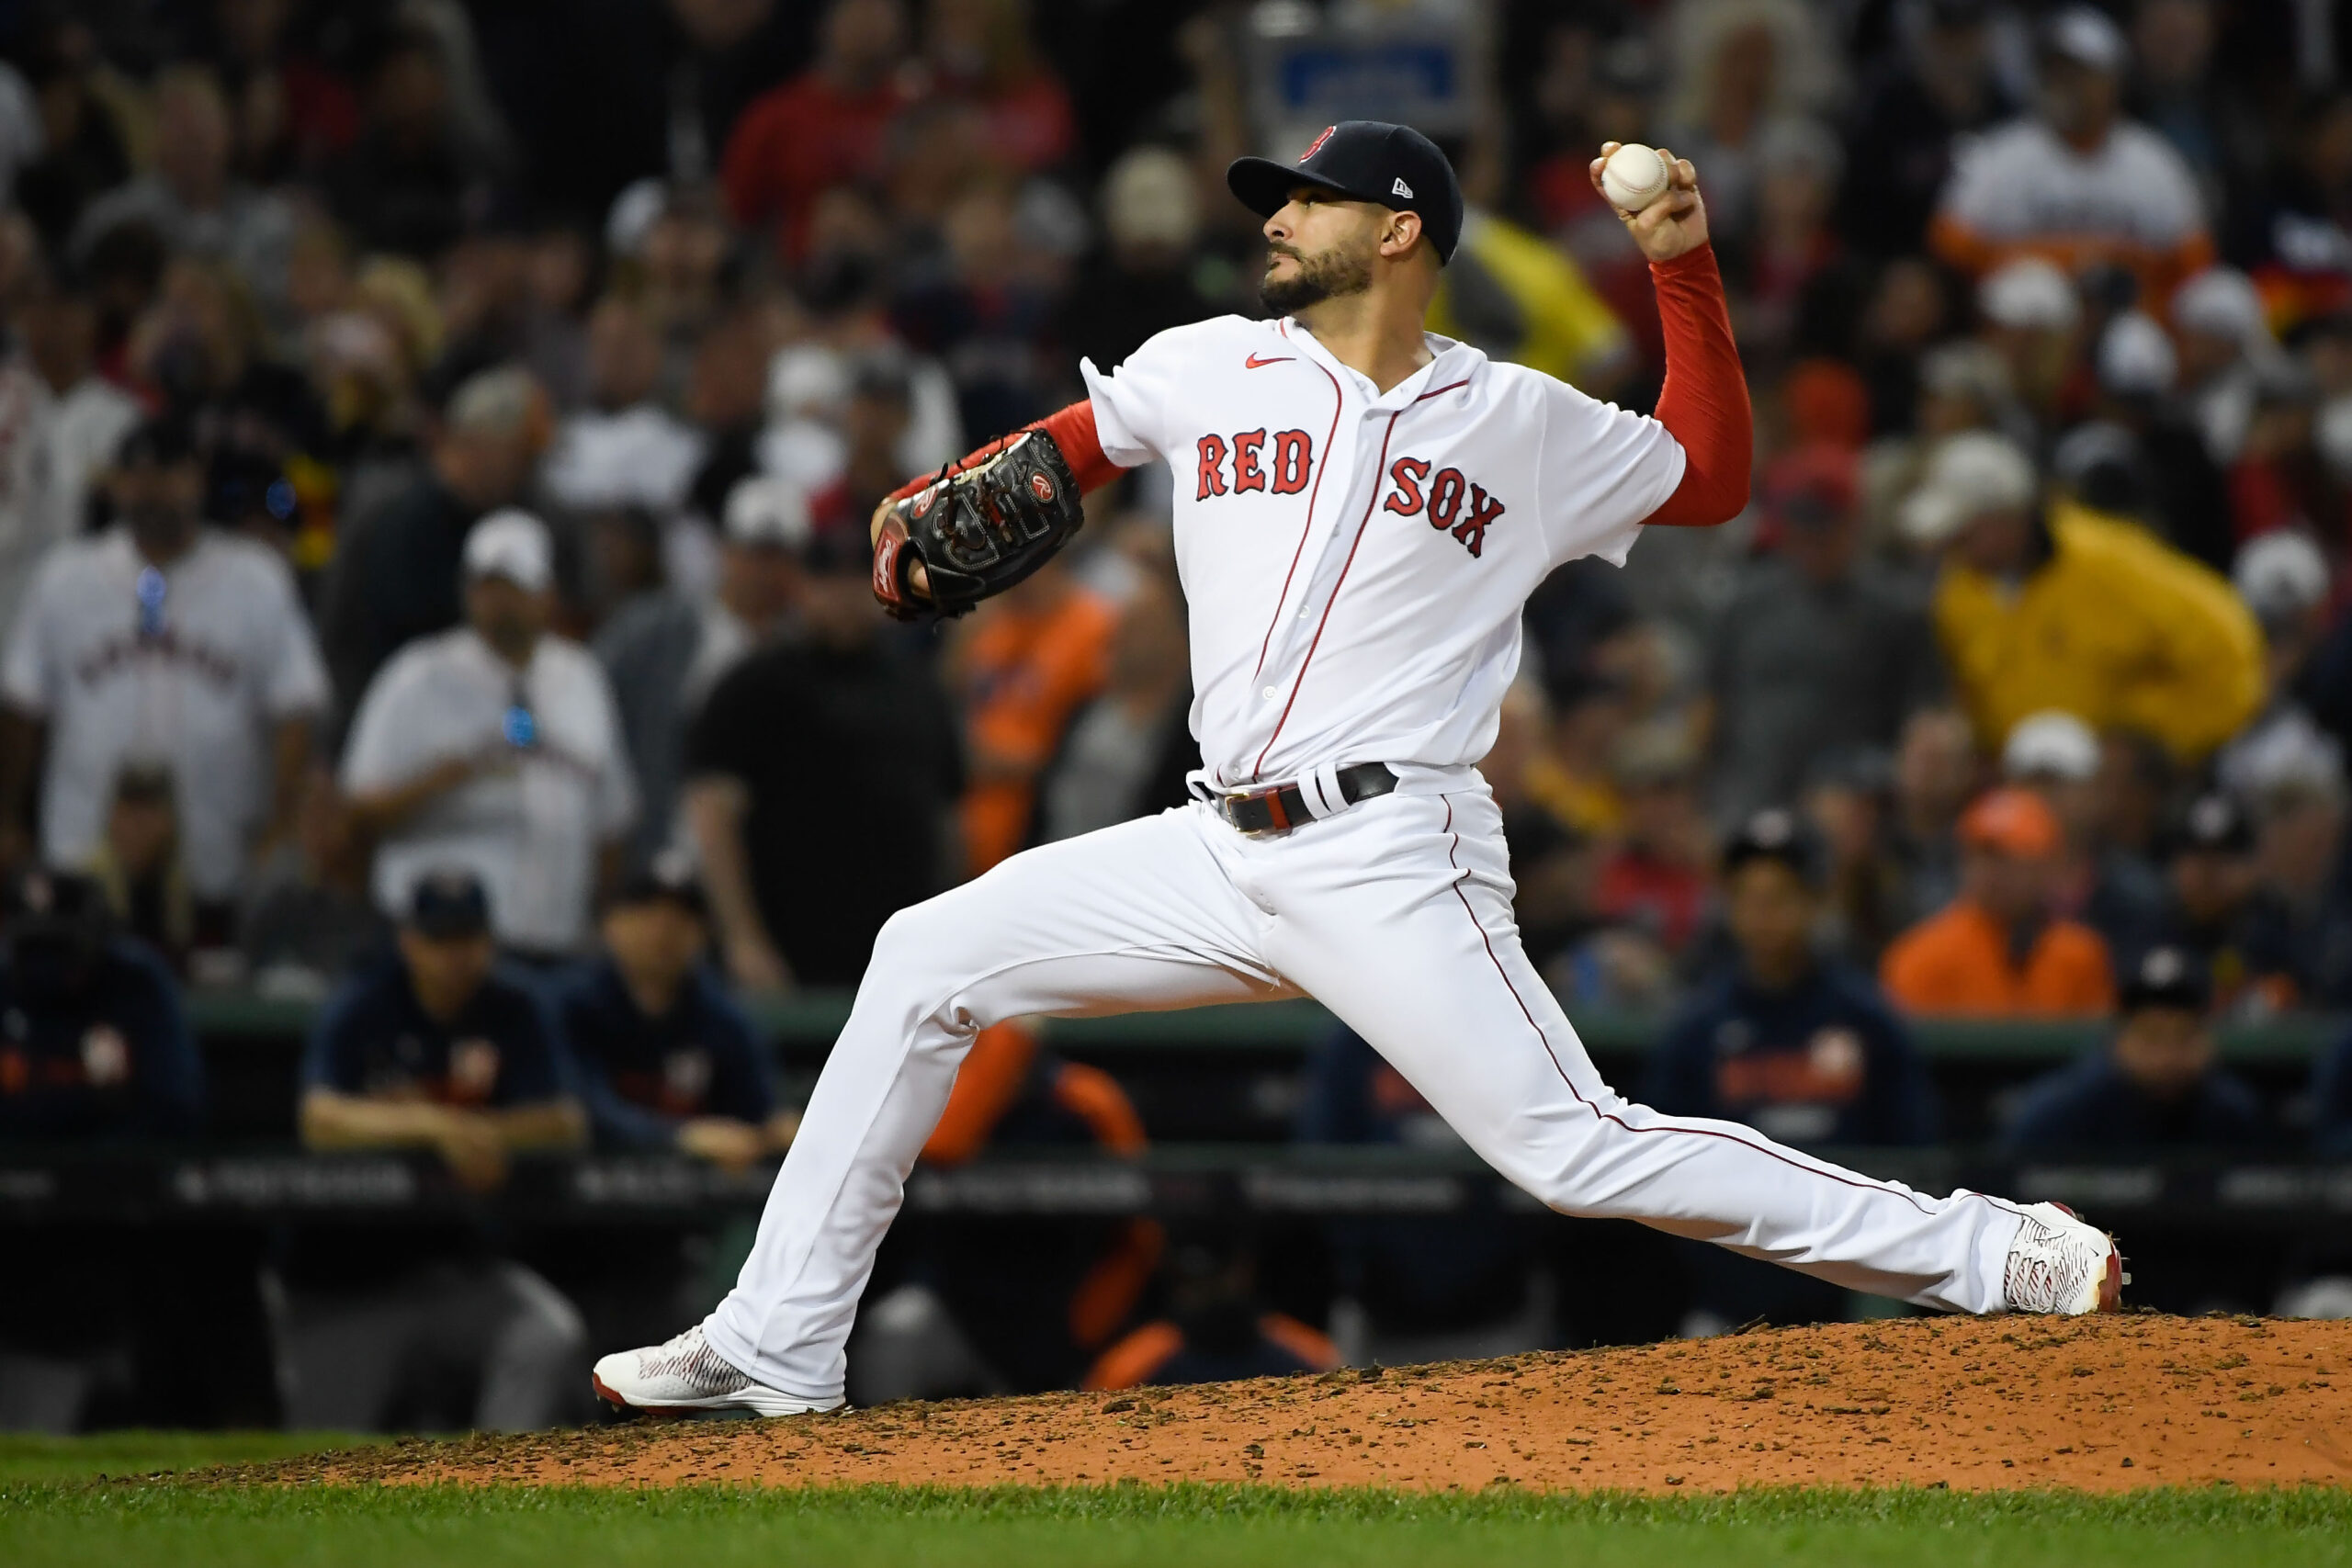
[(1254, 363)]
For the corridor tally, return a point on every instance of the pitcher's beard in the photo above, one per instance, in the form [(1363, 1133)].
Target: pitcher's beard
[(1327, 276)]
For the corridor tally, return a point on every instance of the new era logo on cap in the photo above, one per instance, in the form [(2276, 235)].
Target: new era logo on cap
[(1401, 188)]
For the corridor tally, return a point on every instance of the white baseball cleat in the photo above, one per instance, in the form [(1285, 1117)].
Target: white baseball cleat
[(682, 1376), (2060, 1265)]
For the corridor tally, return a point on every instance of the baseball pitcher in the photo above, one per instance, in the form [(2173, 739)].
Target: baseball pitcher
[(1361, 508)]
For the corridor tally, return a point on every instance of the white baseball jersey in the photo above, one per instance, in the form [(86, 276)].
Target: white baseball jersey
[(2024, 180), (639, 456), (530, 828), (225, 654), (1356, 562)]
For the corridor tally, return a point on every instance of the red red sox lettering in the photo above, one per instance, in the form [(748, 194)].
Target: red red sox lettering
[(1453, 504), (1282, 471)]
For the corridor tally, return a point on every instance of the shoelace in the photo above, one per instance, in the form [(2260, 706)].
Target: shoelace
[(2047, 1269), (689, 1357)]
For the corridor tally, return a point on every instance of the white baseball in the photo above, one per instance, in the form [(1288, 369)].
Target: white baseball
[(1635, 177)]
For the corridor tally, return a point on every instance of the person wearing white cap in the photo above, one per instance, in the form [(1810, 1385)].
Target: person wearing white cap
[(2284, 579), (2223, 338), (2029, 293), (2052, 605), (496, 747), (2050, 745), (665, 652), (2032, 318), (2075, 181), (2135, 360), (2059, 757)]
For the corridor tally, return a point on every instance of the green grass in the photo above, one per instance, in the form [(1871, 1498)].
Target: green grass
[(186, 1525), (136, 1453)]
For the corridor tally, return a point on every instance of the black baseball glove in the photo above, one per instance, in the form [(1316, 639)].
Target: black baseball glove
[(977, 531)]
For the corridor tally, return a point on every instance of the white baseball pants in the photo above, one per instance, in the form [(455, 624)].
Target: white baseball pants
[(1397, 914)]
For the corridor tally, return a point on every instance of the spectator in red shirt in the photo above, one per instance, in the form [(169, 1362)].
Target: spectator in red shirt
[(825, 126), (1657, 879), (291, 110)]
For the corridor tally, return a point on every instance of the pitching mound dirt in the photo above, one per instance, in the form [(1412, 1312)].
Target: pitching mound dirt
[(2101, 1404)]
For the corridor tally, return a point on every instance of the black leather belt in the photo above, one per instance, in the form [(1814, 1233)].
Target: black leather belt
[(1284, 807)]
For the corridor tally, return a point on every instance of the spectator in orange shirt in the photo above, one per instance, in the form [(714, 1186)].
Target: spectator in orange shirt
[(825, 126), (1994, 949), (1031, 661)]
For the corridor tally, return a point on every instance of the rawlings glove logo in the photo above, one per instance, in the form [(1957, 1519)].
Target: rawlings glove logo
[(890, 581)]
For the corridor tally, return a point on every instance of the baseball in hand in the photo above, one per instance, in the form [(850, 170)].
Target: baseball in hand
[(1635, 177)]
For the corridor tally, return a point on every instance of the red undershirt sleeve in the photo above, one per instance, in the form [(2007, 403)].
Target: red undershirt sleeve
[(1073, 430), (1703, 405)]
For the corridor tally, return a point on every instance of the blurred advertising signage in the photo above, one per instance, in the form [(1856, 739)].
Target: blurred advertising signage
[(1419, 63), (1414, 83), (294, 1182)]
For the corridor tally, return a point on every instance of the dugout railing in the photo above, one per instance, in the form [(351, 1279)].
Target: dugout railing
[(195, 1185)]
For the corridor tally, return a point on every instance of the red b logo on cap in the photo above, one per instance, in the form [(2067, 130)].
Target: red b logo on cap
[(1317, 145)]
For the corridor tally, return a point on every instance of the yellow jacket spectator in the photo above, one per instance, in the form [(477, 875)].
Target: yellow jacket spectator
[(1520, 297), (2058, 606)]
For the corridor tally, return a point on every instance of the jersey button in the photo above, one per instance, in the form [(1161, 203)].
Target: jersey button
[(1270, 694)]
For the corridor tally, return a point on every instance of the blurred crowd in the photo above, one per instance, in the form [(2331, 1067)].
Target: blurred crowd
[(437, 441)]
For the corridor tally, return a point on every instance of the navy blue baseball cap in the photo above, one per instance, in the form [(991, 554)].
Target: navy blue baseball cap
[(1366, 160), (668, 877), (448, 904), (2214, 823), (1778, 834), (160, 440), (2171, 978)]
